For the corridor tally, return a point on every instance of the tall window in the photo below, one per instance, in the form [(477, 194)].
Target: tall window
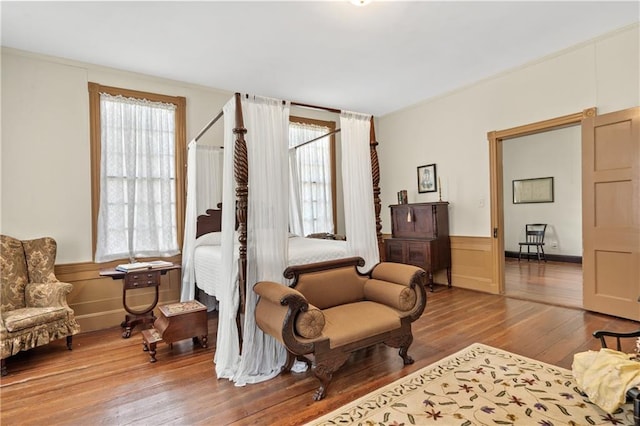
[(135, 141), (315, 163)]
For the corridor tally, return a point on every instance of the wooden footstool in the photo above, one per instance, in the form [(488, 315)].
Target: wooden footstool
[(177, 321)]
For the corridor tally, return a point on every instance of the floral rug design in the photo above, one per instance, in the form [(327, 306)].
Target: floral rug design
[(479, 385)]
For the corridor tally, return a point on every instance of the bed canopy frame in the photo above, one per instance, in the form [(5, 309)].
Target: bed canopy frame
[(241, 177)]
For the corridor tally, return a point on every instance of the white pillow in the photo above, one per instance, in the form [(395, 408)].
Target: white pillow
[(210, 239)]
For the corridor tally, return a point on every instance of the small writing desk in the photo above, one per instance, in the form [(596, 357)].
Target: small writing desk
[(139, 278)]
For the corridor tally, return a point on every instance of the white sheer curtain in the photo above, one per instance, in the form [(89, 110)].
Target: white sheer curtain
[(266, 121), (204, 190), (360, 222), (312, 168), (227, 355), (295, 209), (137, 213)]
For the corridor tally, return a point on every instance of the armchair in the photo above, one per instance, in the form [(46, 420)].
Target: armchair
[(33, 308)]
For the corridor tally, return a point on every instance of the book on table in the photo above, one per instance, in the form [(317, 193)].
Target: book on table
[(136, 266)]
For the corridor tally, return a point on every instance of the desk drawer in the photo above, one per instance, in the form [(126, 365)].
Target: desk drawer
[(142, 279)]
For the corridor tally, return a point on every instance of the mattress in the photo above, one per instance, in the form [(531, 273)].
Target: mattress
[(208, 254)]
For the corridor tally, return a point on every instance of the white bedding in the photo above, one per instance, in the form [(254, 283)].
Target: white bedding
[(208, 252)]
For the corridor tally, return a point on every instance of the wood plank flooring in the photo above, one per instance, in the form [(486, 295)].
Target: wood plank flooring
[(557, 283), (108, 380)]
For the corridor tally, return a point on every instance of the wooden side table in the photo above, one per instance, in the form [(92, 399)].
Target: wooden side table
[(140, 278)]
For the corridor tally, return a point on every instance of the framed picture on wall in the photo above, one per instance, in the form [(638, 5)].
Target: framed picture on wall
[(538, 190), (427, 178)]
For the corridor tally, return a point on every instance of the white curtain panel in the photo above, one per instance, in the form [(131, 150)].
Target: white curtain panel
[(360, 222), (209, 177), (136, 169), (227, 355), (267, 123), (295, 209), (313, 167), (204, 190)]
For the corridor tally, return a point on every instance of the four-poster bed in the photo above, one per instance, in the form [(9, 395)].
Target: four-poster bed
[(240, 248)]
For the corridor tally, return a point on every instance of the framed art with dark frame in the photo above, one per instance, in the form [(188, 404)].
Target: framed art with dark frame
[(427, 179)]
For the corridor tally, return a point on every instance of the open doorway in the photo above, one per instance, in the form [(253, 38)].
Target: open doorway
[(542, 185), (496, 139)]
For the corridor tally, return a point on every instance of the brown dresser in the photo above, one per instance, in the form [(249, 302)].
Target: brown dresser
[(420, 237)]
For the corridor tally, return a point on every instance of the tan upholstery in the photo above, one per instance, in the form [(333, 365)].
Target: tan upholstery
[(331, 310), (34, 309)]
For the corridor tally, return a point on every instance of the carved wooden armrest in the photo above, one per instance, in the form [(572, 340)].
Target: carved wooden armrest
[(277, 311), (43, 295)]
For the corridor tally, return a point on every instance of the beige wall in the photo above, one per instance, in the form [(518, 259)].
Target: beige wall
[(46, 169), (45, 143), (451, 130)]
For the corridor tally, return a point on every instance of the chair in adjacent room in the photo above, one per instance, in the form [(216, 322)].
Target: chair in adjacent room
[(534, 237), (33, 307), (632, 346)]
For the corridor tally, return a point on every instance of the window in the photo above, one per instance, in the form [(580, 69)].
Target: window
[(137, 143), (315, 163)]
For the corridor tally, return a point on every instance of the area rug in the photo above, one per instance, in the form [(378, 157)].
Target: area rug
[(479, 385)]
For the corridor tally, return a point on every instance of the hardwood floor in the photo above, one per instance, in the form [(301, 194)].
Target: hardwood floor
[(557, 283), (108, 380)]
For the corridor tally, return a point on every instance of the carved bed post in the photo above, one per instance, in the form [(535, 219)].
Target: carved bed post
[(375, 174), (241, 175)]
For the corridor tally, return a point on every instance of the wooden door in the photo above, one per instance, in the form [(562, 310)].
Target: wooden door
[(611, 213)]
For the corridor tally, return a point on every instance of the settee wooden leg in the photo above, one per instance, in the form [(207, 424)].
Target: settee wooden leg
[(291, 358), (403, 342), (69, 342), (324, 372), (4, 367)]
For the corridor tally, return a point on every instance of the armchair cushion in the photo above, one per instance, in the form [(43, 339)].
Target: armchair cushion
[(325, 289), (13, 274), (41, 257), (19, 319), (357, 321)]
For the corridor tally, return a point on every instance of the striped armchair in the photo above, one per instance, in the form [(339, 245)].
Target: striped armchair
[(33, 305)]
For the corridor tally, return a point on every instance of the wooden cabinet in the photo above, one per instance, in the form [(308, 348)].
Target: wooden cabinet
[(420, 237)]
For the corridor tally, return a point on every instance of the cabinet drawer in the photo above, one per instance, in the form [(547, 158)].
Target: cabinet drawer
[(142, 279)]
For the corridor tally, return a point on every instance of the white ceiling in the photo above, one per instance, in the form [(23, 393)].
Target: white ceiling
[(376, 59)]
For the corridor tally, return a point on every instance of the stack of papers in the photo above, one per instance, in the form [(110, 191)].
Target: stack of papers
[(127, 267)]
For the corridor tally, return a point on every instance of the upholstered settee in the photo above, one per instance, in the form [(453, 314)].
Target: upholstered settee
[(331, 310), (33, 308)]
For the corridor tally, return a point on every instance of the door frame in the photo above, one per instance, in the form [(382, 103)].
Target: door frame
[(496, 138)]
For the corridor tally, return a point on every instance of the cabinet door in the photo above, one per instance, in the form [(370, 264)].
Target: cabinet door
[(394, 251), (419, 254), (402, 218), (424, 221)]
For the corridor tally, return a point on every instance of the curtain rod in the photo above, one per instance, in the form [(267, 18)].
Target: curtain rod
[(211, 123), (315, 139), (337, 111)]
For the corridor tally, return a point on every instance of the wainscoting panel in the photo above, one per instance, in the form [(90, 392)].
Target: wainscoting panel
[(471, 264), (97, 301)]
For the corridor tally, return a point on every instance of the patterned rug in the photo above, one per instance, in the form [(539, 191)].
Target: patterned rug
[(479, 385)]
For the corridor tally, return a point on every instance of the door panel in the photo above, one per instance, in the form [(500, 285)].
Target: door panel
[(611, 213)]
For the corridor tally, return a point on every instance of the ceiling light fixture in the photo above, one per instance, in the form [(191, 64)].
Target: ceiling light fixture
[(360, 2)]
